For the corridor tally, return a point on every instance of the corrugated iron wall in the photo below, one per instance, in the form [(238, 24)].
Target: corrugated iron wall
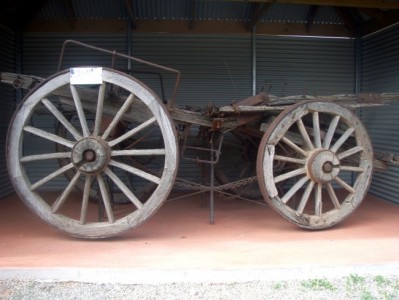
[(7, 64), (380, 74), (311, 66), (215, 69)]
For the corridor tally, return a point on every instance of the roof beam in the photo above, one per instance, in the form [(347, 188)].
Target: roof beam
[(349, 21), (259, 10), (389, 18), (310, 16), (20, 15), (376, 14), (130, 12), (193, 13), (70, 12), (382, 4)]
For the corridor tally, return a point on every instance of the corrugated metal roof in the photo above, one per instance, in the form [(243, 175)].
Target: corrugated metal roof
[(183, 10)]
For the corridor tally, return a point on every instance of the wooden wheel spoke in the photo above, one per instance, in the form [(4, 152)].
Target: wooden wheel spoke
[(330, 132), (342, 139), (62, 198), (290, 159), (294, 189), (294, 146), (351, 169), (125, 190), (132, 132), (79, 110), (60, 117), (99, 110), (126, 105), (135, 171), (316, 130), (138, 152), (51, 176), (305, 197), (48, 136), (105, 198), (345, 185), (318, 200), (349, 152), (333, 196), (46, 156), (85, 199), (304, 134), (290, 174)]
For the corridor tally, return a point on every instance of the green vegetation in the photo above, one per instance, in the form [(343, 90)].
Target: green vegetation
[(353, 286), (318, 284)]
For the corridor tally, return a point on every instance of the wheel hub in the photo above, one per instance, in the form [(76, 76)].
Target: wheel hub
[(322, 166), (91, 155)]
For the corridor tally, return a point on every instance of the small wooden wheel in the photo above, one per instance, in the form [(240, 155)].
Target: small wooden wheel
[(238, 162), (95, 158), (331, 170)]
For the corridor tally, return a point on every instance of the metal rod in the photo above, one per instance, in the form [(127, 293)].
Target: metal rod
[(358, 64), (254, 61), (129, 46), (211, 203), (170, 104)]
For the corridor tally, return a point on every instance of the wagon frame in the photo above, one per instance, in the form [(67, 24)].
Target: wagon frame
[(309, 149)]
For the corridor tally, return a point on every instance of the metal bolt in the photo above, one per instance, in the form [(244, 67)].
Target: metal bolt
[(327, 167), (89, 155)]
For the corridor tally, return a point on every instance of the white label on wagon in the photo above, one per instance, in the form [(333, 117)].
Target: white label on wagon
[(88, 75)]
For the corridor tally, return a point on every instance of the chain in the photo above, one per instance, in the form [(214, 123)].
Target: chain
[(237, 184), (231, 185)]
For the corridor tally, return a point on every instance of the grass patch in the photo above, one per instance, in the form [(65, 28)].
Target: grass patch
[(381, 281), (318, 284), (280, 286), (354, 279)]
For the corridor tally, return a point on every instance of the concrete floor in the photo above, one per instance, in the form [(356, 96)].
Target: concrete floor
[(178, 237)]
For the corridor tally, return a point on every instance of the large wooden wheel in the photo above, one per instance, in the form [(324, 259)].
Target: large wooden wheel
[(330, 172), (93, 157)]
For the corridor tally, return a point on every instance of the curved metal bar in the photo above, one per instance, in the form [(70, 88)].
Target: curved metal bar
[(170, 103)]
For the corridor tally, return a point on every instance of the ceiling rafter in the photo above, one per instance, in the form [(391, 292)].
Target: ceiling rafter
[(259, 10), (312, 12), (389, 18), (19, 15), (131, 13), (373, 13), (71, 15), (193, 13), (350, 22)]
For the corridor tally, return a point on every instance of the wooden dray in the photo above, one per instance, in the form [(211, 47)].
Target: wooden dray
[(112, 150)]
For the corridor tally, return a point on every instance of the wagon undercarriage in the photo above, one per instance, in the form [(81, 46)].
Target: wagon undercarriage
[(114, 150)]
